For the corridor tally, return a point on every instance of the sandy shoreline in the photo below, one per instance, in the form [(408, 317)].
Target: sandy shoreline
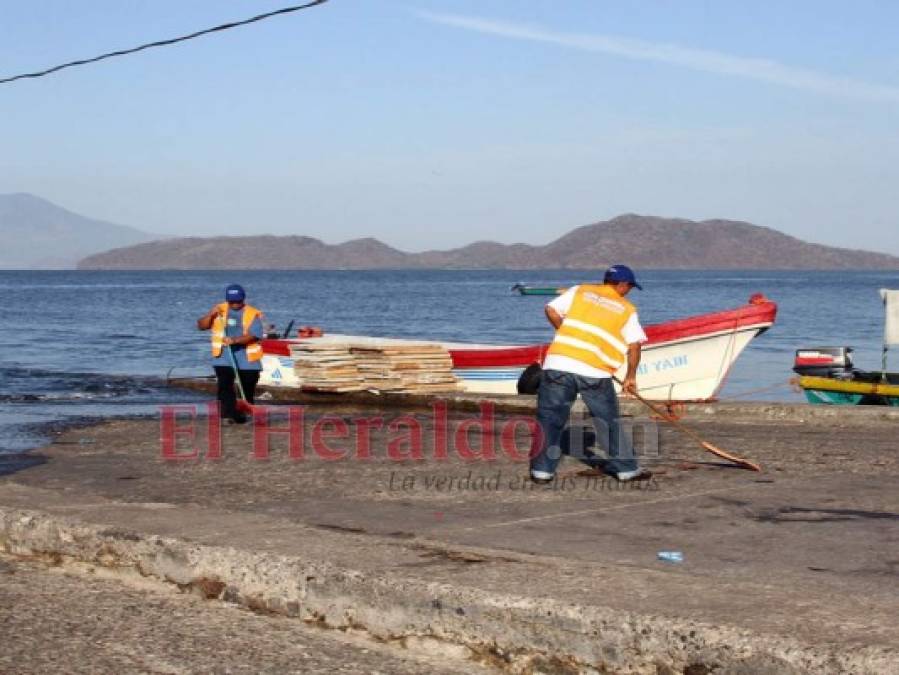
[(467, 554)]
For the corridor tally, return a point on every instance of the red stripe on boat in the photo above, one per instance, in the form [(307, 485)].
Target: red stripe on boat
[(278, 347), (498, 358), (763, 312)]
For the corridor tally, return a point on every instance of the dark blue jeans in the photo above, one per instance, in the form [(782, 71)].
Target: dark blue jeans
[(557, 393)]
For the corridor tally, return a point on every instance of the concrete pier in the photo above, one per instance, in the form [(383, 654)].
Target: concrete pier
[(791, 570)]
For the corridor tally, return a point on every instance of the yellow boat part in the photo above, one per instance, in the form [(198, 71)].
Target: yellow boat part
[(848, 386)]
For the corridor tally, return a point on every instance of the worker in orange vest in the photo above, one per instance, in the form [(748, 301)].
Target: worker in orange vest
[(236, 327), (597, 332)]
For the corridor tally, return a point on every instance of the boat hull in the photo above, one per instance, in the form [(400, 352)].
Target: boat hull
[(690, 369), (684, 360)]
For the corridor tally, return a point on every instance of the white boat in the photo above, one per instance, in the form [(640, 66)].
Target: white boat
[(683, 360)]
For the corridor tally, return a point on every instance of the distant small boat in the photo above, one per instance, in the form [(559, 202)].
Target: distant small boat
[(828, 376), (523, 289)]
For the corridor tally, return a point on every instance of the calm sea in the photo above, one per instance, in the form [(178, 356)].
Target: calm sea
[(80, 345)]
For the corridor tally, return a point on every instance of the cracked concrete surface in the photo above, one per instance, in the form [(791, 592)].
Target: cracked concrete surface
[(67, 618)]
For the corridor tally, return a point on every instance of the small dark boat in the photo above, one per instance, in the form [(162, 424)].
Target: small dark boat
[(523, 289)]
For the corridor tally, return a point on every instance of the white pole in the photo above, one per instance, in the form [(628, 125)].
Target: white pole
[(890, 324)]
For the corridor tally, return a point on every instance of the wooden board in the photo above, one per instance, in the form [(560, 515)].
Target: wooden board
[(339, 367)]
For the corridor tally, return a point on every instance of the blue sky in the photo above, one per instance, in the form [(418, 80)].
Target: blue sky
[(435, 123)]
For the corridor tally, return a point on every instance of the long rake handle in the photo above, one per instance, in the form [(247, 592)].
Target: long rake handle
[(705, 445), (236, 370)]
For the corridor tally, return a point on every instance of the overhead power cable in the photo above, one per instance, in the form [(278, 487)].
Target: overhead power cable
[(165, 43)]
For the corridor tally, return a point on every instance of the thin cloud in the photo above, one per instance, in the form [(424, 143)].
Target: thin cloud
[(762, 70)]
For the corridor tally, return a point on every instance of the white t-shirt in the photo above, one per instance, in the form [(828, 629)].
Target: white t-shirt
[(632, 332)]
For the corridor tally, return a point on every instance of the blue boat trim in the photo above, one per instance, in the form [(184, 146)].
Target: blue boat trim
[(488, 374)]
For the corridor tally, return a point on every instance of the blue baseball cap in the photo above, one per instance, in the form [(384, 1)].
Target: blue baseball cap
[(235, 293), (623, 273)]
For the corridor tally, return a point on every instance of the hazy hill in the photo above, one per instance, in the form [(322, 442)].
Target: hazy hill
[(257, 252), (641, 241), (37, 234)]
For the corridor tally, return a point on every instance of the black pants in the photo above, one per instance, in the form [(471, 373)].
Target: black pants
[(226, 393)]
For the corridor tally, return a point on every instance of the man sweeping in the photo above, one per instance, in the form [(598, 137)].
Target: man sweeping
[(597, 331), (236, 330)]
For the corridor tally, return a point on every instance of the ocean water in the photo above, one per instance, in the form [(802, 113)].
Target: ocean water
[(78, 345)]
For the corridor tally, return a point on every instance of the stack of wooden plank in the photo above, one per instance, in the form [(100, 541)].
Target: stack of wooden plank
[(388, 366), (374, 369), (326, 367), (409, 368)]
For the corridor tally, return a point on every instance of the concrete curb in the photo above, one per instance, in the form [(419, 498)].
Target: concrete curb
[(514, 633)]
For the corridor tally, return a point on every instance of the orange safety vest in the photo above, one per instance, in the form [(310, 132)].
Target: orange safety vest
[(591, 331), (254, 350)]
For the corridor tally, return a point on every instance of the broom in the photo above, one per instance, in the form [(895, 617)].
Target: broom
[(705, 445), (242, 405)]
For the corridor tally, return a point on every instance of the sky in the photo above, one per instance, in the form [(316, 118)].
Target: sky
[(435, 123)]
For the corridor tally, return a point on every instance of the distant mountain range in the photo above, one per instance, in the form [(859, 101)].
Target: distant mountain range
[(641, 241), (37, 234)]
